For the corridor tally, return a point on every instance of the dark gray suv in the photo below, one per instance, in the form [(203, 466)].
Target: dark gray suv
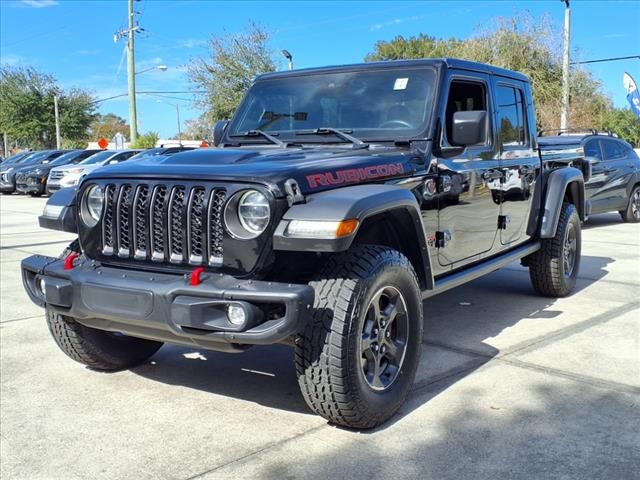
[(614, 183)]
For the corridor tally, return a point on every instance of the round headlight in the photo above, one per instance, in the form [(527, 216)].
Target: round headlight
[(254, 212), (92, 205), (247, 214)]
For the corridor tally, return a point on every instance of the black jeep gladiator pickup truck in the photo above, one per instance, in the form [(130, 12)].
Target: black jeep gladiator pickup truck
[(335, 201)]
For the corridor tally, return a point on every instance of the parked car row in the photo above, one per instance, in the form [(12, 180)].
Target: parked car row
[(612, 182), (46, 171)]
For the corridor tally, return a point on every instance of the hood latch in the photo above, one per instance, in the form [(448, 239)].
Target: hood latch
[(294, 195)]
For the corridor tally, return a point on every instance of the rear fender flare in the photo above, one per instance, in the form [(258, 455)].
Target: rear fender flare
[(561, 183)]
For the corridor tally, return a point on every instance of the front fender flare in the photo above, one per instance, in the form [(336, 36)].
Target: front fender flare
[(357, 202), (62, 218)]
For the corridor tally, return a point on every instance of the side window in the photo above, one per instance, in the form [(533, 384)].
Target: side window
[(613, 150), (511, 121), (592, 150), (464, 96)]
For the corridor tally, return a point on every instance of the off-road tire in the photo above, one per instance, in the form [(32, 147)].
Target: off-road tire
[(627, 214), (97, 349), (547, 267), (328, 351)]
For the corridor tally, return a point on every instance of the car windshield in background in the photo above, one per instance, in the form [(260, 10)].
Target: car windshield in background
[(65, 158), (151, 153), (98, 158), (37, 157), (379, 104)]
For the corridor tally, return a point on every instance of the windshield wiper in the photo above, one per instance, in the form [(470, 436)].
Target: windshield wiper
[(357, 143), (260, 133)]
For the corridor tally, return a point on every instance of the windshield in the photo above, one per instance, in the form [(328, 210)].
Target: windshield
[(34, 158), (15, 158), (151, 153), (98, 158), (65, 158), (376, 104)]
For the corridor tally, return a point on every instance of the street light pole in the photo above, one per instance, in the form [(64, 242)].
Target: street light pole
[(286, 54), (57, 116), (564, 115), (131, 70)]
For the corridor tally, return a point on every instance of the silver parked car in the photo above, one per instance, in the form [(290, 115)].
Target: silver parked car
[(71, 175)]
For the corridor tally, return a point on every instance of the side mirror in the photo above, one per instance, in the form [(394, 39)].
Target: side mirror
[(469, 128), (113, 162), (218, 131)]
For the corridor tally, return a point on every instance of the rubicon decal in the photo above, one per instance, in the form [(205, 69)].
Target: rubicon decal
[(354, 175)]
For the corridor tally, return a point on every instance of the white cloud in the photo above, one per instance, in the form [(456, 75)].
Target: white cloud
[(11, 60), (192, 43), (396, 21), (38, 3)]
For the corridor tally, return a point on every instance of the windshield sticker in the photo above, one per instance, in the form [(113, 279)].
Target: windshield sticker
[(400, 84)]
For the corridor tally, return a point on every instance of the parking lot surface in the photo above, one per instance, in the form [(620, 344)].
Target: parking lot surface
[(511, 385)]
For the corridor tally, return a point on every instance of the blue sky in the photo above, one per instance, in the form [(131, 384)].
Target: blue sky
[(73, 39)]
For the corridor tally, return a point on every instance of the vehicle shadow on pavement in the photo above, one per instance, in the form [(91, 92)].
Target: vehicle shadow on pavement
[(602, 220), (546, 429), (457, 326)]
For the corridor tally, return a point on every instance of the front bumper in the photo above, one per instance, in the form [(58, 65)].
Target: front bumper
[(7, 187), (31, 185), (165, 307)]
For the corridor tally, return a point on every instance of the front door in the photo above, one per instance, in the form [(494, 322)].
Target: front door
[(467, 213)]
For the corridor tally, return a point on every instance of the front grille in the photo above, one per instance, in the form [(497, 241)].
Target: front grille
[(56, 175), (179, 224)]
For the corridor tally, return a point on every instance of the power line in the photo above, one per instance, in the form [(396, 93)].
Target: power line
[(157, 93), (612, 59)]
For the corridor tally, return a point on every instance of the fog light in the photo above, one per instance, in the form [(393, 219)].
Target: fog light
[(236, 314), (42, 286)]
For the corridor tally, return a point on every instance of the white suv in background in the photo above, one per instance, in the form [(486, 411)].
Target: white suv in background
[(70, 176)]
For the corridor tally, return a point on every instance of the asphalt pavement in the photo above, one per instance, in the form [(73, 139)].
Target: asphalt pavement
[(511, 385)]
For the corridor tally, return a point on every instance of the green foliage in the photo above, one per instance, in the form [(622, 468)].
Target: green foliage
[(233, 63), (623, 122), (148, 140), (107, 126), (522, 43), (27, 108), (68, 144)]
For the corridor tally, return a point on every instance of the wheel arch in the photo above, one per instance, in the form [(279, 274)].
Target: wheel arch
[(562, 185), (387, 215)]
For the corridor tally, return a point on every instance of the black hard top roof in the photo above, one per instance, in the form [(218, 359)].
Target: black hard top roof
[(438, 62)]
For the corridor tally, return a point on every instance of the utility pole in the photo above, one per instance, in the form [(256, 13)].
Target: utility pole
[(6, 145), (131, 71), (564, 115), (57, 115), (130, 33), (179, 134)]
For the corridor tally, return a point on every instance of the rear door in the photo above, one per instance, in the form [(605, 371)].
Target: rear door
[(610, 191), (519, 162)]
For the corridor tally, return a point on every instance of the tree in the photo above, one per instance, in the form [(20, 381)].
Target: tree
[(107, 126), (233, 63), (521, 43), (27, 108), (623, 122), (148, 140), (198, 129)]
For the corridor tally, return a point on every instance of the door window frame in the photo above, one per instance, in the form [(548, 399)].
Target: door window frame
[(525, 117), (477, 79)]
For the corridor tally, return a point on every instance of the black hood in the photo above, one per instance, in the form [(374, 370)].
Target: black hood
[(314, 169)]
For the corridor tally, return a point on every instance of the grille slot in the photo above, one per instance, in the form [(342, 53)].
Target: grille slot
[(164, 223), (122, 221)]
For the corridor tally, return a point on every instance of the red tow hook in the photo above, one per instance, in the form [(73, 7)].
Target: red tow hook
[(68, 262), (195, 276)]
